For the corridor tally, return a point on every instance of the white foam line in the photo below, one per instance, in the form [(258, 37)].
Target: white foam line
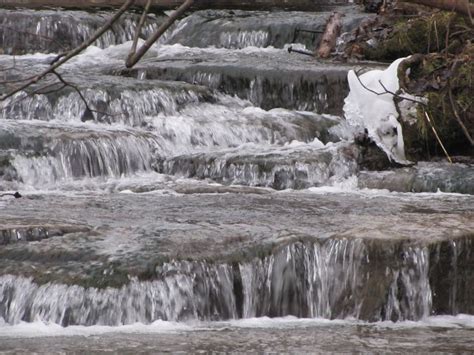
[(349, 186), (41, 329)]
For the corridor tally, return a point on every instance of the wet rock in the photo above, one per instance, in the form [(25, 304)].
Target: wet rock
[(124, 101), (337, 278), (7, 171), (138, 231), (296, 167), (373, 5), (423, 177), (38, 148), (266, 82), (25, 233), (451, 275), (240, 29), (443, 83)]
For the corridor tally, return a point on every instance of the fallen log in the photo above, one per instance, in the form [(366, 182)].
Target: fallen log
[(460, 6), (303, 5), (332, 31)]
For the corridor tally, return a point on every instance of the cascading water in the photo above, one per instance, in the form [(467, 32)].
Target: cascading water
[(115, 105), (173, 196), (301, 279), (26, 31)]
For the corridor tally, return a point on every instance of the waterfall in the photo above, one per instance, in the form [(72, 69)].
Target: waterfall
[(88, 158), (280, 85), (334, 278), (125, 106), (263, 29), (298, 166), (160, 203), (59, 31), (244, 39), (186, 291)]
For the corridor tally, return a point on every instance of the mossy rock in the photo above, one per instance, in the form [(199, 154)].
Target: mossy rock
[(420, 35), (446, 82)]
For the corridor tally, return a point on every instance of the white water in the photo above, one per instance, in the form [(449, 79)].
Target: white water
[(303, 279), (41, 329)]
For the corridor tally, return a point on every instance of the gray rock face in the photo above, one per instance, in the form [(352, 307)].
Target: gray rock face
[(423, 177), (272, 83), (239, 255), (296, 167), (239, 29)]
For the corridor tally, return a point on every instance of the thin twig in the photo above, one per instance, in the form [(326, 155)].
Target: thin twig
[(460, 32), (400, 96), (386, 91), (469, 12), (16, 194), (73, 52), (367, 88), (415, 101), (42, 90), (436, 35), (16, 80), (75, 88), (437, 137), (429, 37), (446, 45), (139, 27), (463, 127)]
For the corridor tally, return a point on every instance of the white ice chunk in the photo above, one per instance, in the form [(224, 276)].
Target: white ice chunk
[(371, 106)]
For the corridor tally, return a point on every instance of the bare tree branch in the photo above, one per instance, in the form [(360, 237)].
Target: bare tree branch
[(386, 91), (134, 57), (57, 63), (139, 27), (42, 90), (469, 11), (60, 78), (89, 110), (437, 137), (400, 96), (16, 80), (16, 194)]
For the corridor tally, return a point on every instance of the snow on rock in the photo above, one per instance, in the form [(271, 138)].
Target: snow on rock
[(370, 105)]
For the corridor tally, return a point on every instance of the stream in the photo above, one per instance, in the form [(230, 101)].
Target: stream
[(215, 200)]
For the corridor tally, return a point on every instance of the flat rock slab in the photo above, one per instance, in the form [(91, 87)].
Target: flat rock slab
[(124, 235), (423, 177)]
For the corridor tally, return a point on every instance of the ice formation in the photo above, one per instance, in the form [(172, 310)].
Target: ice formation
[(370, 105)]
